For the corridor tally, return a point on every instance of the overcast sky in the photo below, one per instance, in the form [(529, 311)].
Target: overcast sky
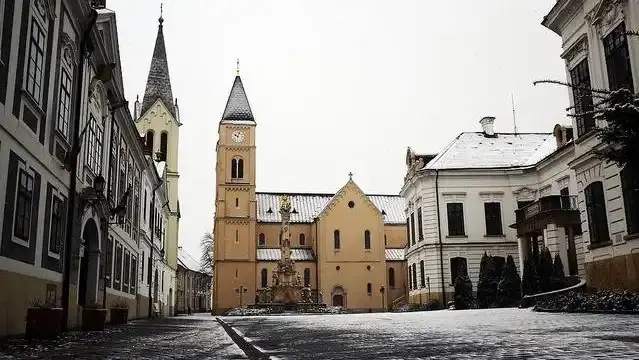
[(341, 85)]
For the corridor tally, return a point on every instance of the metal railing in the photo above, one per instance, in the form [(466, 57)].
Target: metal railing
[(547, 203)]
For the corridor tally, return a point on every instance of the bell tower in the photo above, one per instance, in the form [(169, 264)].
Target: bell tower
[(235, 203), (157, 119)]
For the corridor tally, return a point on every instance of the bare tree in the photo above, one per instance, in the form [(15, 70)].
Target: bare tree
[(207, 244)]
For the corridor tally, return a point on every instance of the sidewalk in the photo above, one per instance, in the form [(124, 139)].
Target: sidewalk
[(197, 336)]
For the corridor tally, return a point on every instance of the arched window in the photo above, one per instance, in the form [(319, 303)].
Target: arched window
[(336, 242), (240, 169), (261, 239), (414, 275), (164, 142), (421, 273), (391, 277), (367, 240), (307, 277), (302, 239), (369, 289), (264, 276), (148, 142), (410, 278)]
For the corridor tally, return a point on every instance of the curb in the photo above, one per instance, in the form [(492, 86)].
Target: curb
[(249, 349)]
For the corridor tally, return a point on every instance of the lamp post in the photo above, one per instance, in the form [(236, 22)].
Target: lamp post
[(72, 163)]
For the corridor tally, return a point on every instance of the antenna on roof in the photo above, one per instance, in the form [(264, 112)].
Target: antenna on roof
[(512, 100)]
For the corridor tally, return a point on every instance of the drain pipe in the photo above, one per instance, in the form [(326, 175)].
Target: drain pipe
[(439, 230), (317, 288)]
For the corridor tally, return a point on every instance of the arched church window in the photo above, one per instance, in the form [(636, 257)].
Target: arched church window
[(336, 242), (302, 239), (237, 168), (240, 168), (391, 277), (369, 289), (149, 142), (164, 141), (367, 240), (261, 241), (234, 169), (307, 277)]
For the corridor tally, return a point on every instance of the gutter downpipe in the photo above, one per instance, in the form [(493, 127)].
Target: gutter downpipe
[(439, 230), (317, 287)]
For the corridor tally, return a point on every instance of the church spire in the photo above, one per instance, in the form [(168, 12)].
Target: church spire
[(158, 84), (237, 106)]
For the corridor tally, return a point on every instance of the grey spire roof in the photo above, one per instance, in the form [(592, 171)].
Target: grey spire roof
[(237, 106), (158, 84)]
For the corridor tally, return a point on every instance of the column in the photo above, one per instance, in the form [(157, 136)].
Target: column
[(524, 245)]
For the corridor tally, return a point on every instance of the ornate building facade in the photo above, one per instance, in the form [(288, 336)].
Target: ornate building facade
[(347, 246)]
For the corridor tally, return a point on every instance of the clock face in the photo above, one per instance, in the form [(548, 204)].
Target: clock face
[(238, 136)]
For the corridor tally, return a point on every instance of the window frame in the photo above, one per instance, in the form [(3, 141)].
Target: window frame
[(599, 211), (461, 229), (57, 232), (36, 23), (422, 273), (264, 278), (391, 277), (630, 193), (302, 239), (337, 242), (369, 289), (29, 174), (498, 216), (582, 99), (412, 228), (94, 145), (261, 239), (118, 263), (614, 44), (307, 277), (63, 118), (367, 240)]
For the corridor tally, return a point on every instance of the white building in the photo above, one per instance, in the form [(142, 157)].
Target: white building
[(599, 55), (39, 70), (499, 193)]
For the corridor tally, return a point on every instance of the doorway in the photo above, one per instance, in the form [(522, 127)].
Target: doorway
[(338, 300), (89, 265)]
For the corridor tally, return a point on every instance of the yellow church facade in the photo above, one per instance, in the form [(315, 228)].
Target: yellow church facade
[(348, 247)]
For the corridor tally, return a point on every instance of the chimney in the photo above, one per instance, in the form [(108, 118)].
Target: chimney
[(488, 125)]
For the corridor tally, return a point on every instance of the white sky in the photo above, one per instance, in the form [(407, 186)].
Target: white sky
[(341, 85)]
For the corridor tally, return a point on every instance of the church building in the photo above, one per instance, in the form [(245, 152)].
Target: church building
[(348, 247)]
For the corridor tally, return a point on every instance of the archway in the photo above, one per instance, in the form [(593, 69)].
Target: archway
[(338, 296), (89, 264)]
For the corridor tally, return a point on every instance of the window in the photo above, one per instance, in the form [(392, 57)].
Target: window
[(24, 203), (56, 226), (422, 281), (420, 231), (351, 204), (142, 267), (414, 276), (113, 164), (237, 202), (118, 266), (367, 240), (412, 229), (127, 270), (336, 242), (164, 140), (457, 268), (237, 236), (237, 169), (36, 61), (408, 231), (261, 239), (264, 277), (93, 149), (134, 274), (618, 59), (630, 198), (302, 240), (145, 202), (493, 219), (148, 273), (391, 278), (596, 212), (162, 281), (385, 241), (455, 213), (280, 238), (582, 97), (369, 289), (410, 278), (307, 277), (109, 261), (148, 142), (64, 106)]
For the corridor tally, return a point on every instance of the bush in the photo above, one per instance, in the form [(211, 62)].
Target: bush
[(509, 287), (487, 284), (613, 301), (558, 274), (463, 290), (530, 279), (545, 271)]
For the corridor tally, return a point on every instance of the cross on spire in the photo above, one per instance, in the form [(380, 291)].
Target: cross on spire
[(161, 19), (237, 69), (350, 176)]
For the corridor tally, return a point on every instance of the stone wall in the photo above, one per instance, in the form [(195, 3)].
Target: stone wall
[(619, 272)]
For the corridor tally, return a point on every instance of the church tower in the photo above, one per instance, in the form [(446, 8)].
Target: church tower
[(158, 120), (235, 203)]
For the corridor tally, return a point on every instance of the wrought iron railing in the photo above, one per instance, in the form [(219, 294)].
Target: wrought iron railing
[(547, 203)]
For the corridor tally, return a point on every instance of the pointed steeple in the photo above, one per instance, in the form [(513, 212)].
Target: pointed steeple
[(158, 84), (237, 106)]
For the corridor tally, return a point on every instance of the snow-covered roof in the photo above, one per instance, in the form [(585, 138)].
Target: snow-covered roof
[(395, 254), (305, 207), (474, 150), (188, 261), (297, 254)]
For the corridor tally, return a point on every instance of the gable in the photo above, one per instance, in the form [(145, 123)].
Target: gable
[(153, 111), (349, 192)]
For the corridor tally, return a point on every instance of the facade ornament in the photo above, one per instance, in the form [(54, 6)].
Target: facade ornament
[(46, 7), (577, 51), (69, 50), (608, 14)]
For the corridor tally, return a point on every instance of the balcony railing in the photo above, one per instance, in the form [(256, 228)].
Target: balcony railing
[(545, 204)]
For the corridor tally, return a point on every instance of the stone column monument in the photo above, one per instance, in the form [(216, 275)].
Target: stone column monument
[(287, 283)]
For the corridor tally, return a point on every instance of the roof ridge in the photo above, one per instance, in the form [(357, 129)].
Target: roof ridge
[(315, 194)]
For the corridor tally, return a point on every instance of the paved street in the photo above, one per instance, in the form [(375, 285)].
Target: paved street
[(195, 337), (477, 334)]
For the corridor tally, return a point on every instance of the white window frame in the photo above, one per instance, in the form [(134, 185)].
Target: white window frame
[(39, 15), (67, 96), (55, 194), (22, 166)]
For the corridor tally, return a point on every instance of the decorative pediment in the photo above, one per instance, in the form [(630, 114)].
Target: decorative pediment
[(525, 193), (46, 8), (69, 50), (606, 15), (577, 51)]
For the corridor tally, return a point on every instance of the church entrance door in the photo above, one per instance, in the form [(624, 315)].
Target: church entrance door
[(338, 300)]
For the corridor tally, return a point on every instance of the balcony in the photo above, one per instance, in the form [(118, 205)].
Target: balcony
[(561, 210)]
